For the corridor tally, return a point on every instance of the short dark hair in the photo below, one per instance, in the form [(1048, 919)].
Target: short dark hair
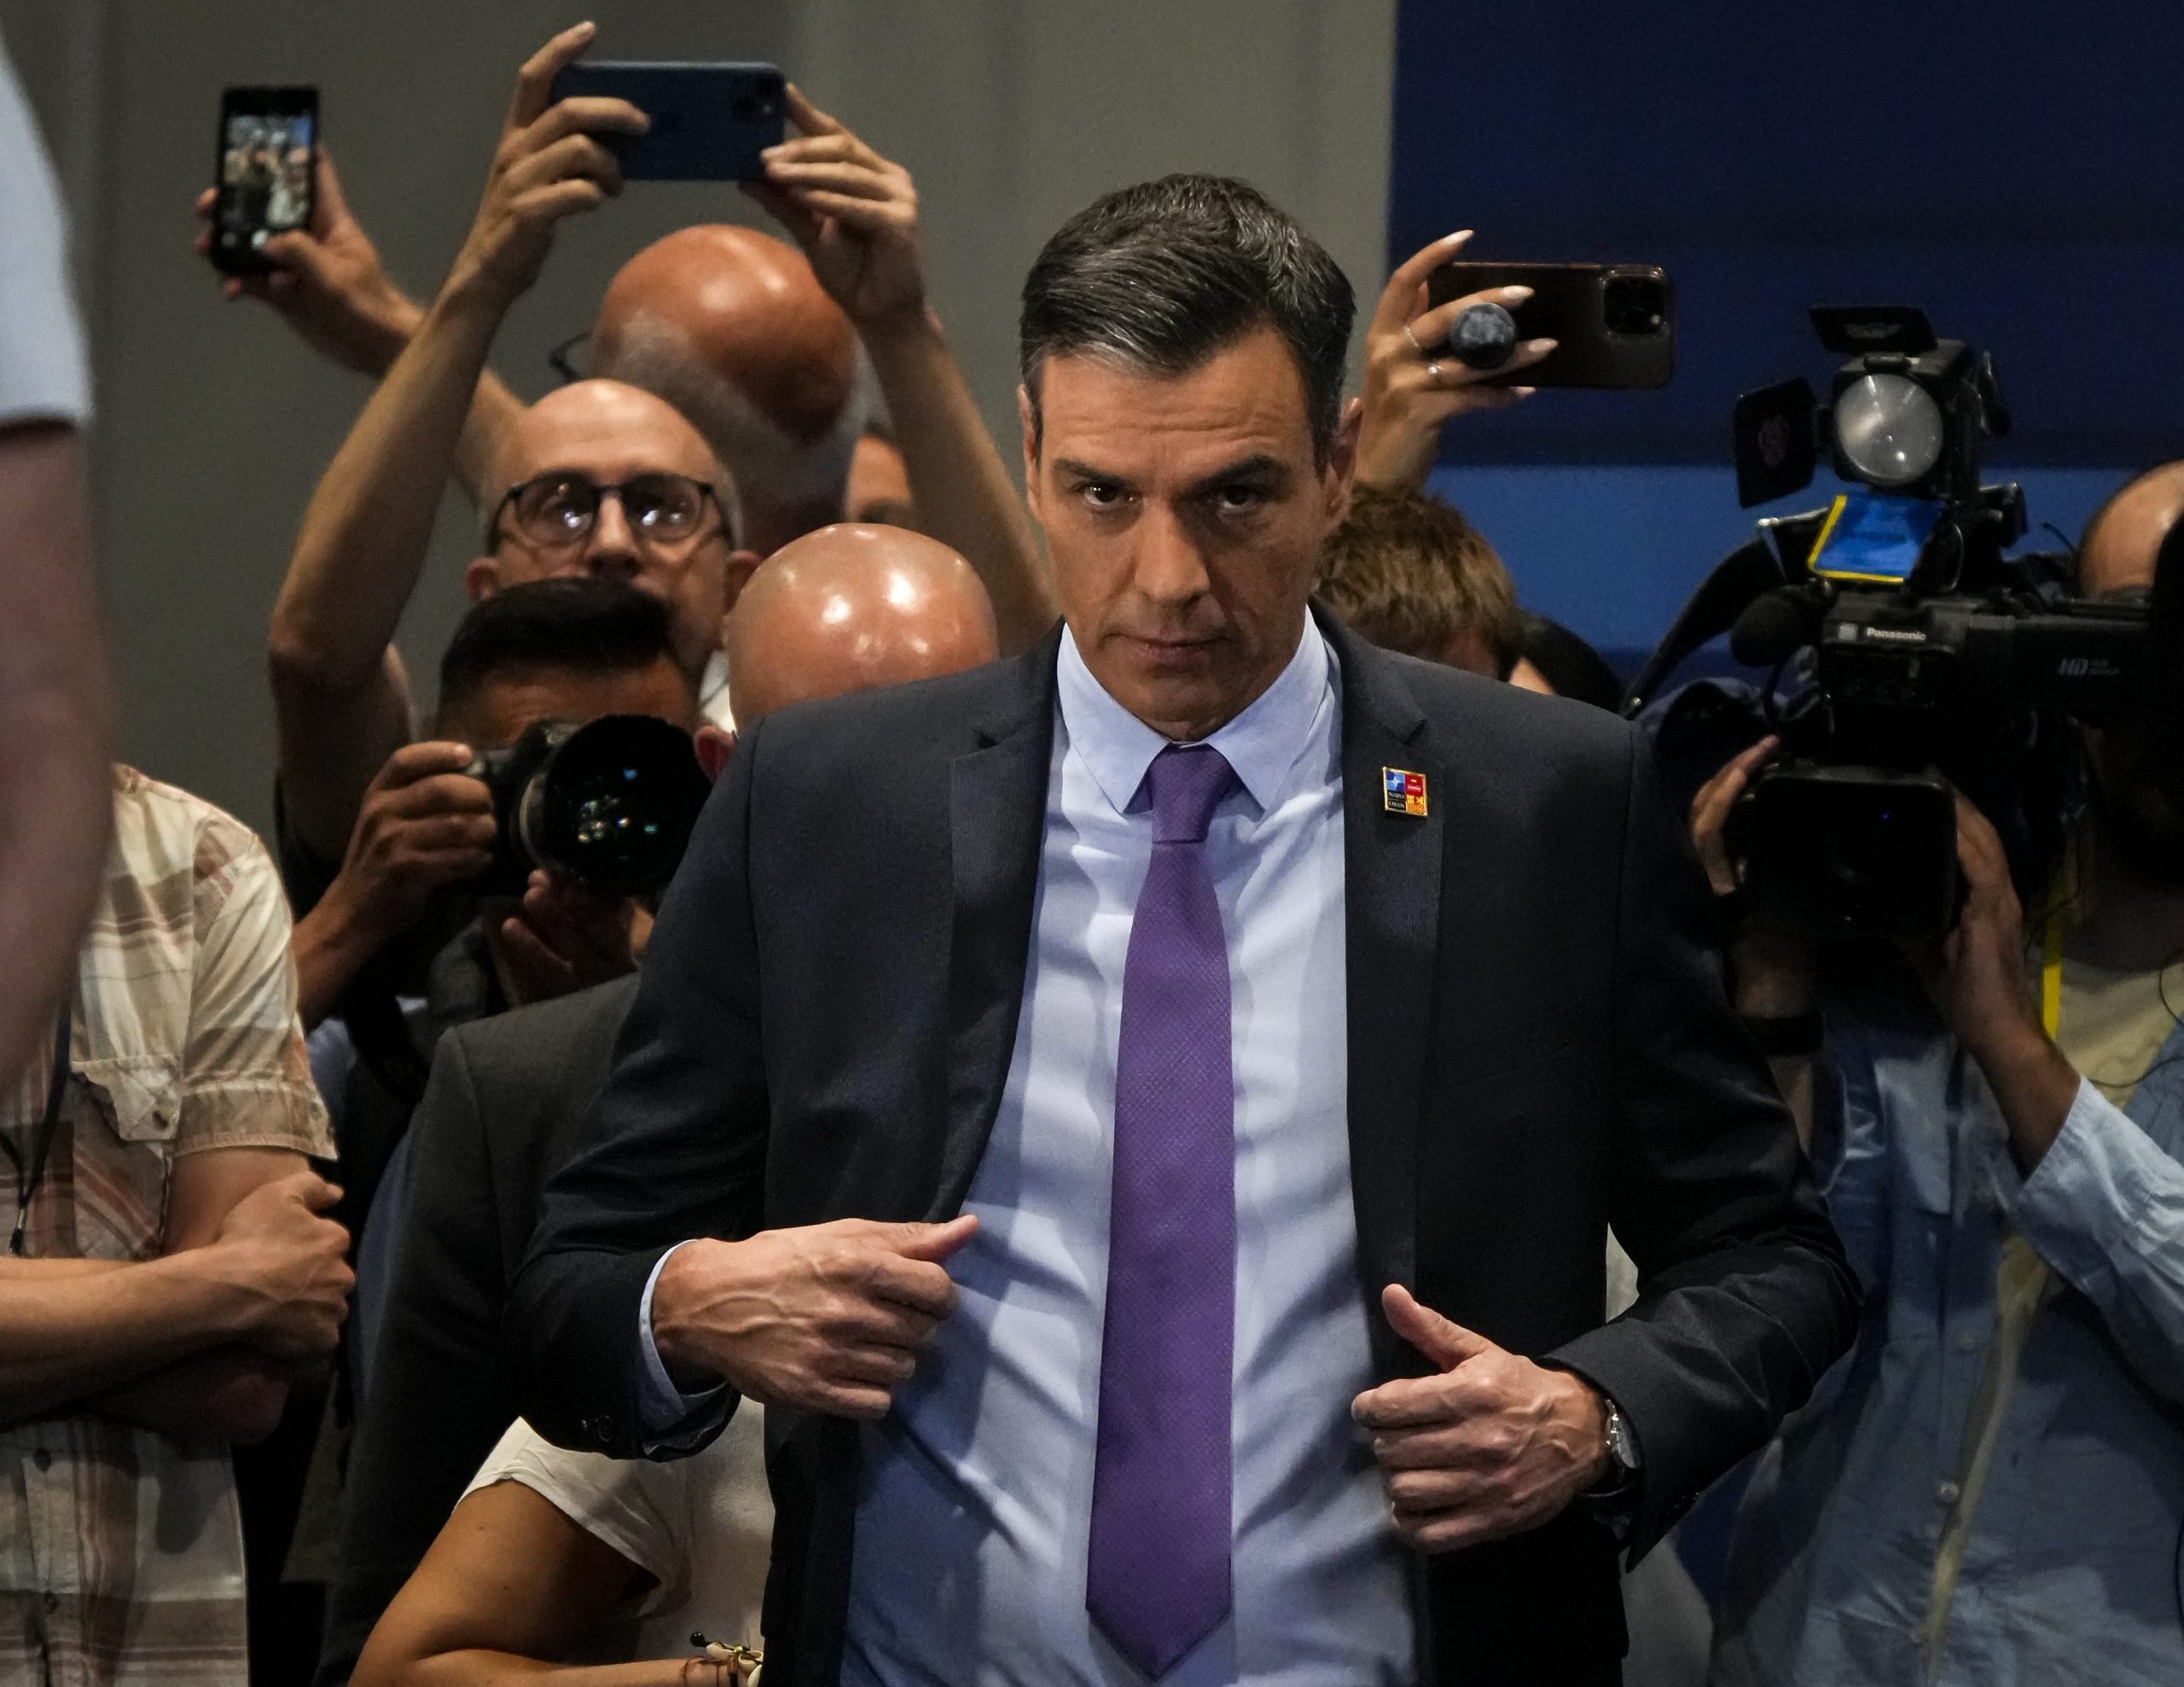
[(585, 623), (1409, 573), (1163, 275)]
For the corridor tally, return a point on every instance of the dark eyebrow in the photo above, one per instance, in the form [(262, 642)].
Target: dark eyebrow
[(1082, 470), (1260, 467)]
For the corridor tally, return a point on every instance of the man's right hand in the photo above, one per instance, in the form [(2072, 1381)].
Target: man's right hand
[(292, 1261), (548, 166), (326, 282), (1774, 974), (425, 823), (829, 1317)]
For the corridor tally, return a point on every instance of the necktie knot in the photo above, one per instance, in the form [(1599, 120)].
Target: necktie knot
[(1187, 783)]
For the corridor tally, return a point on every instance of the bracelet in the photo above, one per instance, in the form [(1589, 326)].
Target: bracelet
[(1784, 1034)]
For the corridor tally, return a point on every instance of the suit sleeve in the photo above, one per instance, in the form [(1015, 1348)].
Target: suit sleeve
[(674, 1148), (1744, 1296), (435, 1409)]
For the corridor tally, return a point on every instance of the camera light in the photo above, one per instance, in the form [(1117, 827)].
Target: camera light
[(1888, 428)]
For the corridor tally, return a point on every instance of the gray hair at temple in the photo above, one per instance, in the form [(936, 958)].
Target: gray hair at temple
[(1162, 275)]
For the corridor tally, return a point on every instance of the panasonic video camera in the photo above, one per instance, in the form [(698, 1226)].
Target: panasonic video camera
[(1908, 651)]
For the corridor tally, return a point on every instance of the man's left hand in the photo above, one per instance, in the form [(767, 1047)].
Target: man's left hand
[(1492, 1445), (567, 937), (854, 214)]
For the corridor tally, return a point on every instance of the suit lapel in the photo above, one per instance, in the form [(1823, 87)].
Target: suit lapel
[(996, 816), (1392, 865)]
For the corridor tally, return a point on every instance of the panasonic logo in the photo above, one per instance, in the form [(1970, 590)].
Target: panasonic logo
[(1895, 635)]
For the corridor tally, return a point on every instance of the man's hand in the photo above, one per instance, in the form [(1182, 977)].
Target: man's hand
[(326, 282), (424, 824), (1492, 1445), (1976, 978), (290, 1259), (548, 166), (567, 937), (1774, 974), (854, 214), (829, 1317), (1406, 401)]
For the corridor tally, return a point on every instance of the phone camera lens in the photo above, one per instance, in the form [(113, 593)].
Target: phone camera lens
[(1636, 306)]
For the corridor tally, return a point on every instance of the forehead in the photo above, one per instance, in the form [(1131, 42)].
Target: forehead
[(605, 431), (504, 706), (1247, 398)]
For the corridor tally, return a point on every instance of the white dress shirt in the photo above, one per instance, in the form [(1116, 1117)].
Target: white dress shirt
[(975, 1508)]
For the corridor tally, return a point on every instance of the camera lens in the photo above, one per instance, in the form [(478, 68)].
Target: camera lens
[(1634, 305), (614, 802)]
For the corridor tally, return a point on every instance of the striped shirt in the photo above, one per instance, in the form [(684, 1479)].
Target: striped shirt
[(121, 1551)]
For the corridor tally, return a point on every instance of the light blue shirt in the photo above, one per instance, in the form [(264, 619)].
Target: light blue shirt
[(2071, 1569), (975, 1510)]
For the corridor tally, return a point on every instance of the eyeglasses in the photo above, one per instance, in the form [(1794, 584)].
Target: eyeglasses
[(553, 512)]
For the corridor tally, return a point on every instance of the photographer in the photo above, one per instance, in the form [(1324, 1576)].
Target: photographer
[(1992, 1488)]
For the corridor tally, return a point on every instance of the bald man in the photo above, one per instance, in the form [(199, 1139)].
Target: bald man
[(845, 609), (732, 328), (852, 607)]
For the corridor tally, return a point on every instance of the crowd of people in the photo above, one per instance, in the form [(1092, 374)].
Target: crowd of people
[(882, 1249)]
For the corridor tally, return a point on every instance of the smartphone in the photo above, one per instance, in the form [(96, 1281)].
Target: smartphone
[(710, 122), (1614, 323), (262, 176)]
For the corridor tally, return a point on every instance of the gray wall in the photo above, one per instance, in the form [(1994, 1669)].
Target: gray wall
[(213, 423)]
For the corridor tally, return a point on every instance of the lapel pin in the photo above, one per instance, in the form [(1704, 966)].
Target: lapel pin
[(1403, 792)]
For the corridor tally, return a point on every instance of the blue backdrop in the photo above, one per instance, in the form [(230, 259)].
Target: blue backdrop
[(2013, 168)]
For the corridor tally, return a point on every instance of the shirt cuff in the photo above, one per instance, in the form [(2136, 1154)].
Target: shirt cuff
[(671, 1422), (2083, 1202)]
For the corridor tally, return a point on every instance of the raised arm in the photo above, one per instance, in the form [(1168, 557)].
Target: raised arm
[(856, 215), (338, 695)]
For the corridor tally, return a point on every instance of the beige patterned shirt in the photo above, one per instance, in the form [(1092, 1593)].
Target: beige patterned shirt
[(120, 1552)]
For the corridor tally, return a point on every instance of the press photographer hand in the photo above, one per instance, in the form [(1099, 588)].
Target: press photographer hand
[(828, 1317), (854, 212), (424, 824), (1774, 974), (1491, 1445), (1413, 384), (326, 282), (1976, 977), (548, 166), (567, 937)]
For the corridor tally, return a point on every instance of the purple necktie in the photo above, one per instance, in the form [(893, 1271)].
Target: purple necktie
[(1158, 1577)]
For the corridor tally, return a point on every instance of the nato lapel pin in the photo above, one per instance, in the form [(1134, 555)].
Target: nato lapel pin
[(1403, 792)]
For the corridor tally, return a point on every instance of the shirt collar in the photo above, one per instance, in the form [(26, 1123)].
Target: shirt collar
[(1264, 743)]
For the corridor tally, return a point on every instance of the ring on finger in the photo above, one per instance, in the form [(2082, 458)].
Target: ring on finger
[(1433, 373), (1413, 339)]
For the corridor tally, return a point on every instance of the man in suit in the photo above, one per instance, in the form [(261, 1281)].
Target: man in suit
[(1156, 1178), (846, 607)]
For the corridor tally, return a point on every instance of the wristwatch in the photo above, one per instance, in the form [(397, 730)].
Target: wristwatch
[(1622, 1445)]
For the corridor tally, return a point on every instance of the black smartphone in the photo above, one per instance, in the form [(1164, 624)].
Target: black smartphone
[(262, 178), (710, 122), (1614, 323)]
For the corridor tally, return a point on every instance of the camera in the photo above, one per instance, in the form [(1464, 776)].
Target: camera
[(1925, 658), (610, 803)]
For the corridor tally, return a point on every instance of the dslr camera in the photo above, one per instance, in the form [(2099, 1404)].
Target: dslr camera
[(1922, 655), (610, 803)]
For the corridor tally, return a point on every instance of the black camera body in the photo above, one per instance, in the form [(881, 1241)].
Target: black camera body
[(610, 803), (1948, 666)]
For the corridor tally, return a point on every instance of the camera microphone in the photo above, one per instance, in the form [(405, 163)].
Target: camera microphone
[(1483, 336), (1774, 627)]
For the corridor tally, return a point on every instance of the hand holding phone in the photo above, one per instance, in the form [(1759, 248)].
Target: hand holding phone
[(1612, 323), (552, 162)]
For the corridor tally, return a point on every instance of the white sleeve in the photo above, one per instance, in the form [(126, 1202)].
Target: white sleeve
[(631, 1504), (43, 374)]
